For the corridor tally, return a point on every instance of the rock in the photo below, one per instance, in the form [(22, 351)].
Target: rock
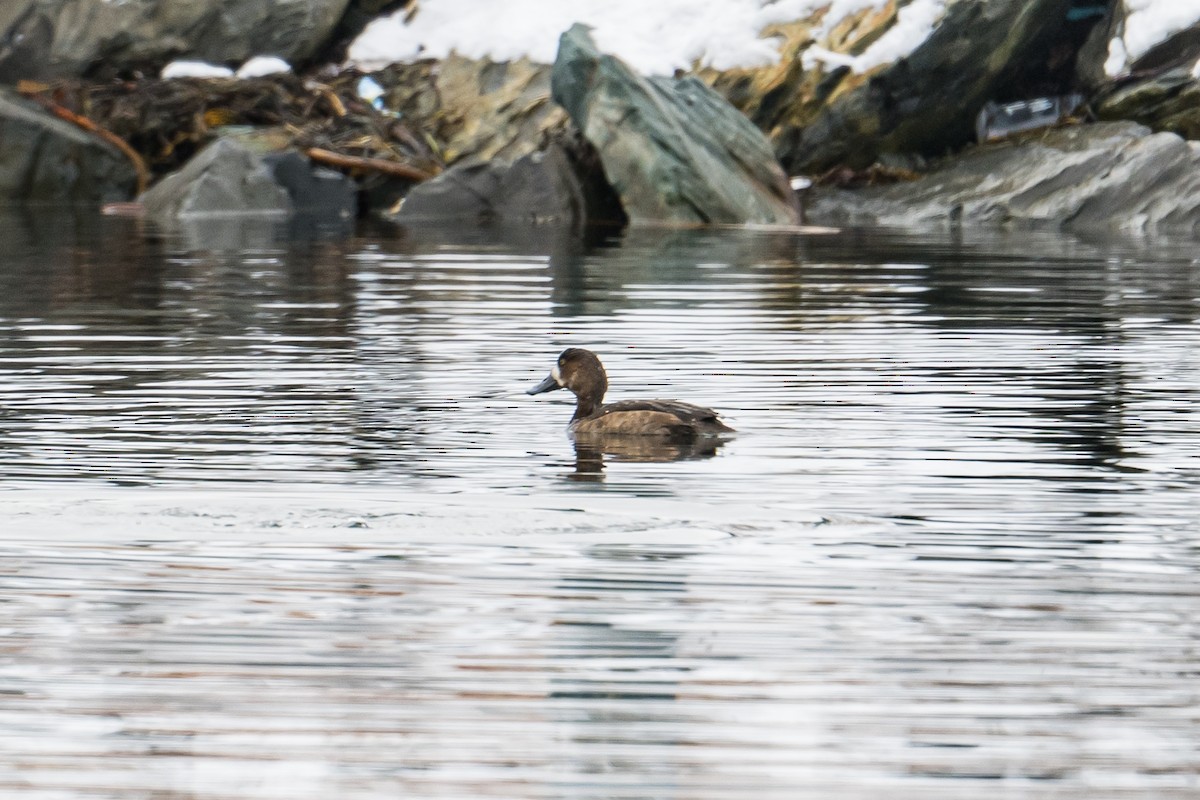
[(927, 103), (551, 187), (231, 179), (42, 39), (224, 179), (316, 193), (674, 150), (1158, 88), (848, 91), (477, 109), (1169, 101), (468, 193), (1138, 39), (1105, 176), (493, 109), (46, 160)]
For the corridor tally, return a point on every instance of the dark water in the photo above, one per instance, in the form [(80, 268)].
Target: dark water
[(279, 521)]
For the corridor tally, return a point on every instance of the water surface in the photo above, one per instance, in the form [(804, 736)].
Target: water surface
[(279, 520)]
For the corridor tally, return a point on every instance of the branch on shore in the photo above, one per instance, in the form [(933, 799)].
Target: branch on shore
[(139, 165), (391, 168)]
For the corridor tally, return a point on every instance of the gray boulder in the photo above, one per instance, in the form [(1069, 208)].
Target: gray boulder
[(231, 179), (224, 179), (674, 150), (1106, 176), (549, 187), (67, 38), (46, 160)]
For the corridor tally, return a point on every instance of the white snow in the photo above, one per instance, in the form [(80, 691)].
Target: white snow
[(655, 38), (665, 35), (195, 69), (914, 24), (1118, 59), (260, 66), (1148, 22)]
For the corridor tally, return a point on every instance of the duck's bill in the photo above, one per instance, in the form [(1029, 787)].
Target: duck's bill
[(548, 385)]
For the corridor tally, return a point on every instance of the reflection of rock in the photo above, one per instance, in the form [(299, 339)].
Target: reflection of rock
[(47, 160), (53, 38), (1102, 176), (230, 179), (673, 150), (549, 187)]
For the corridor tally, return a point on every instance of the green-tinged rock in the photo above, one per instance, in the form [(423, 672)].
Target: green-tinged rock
[(1166, 102), (46, 160), (674, 150)]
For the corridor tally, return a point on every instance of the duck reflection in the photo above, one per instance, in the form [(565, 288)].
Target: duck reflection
[(592, 449)]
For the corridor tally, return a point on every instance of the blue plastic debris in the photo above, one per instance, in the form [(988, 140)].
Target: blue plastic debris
[(370, 90)]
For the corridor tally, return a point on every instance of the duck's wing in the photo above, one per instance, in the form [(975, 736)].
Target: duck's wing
[(677, 418)]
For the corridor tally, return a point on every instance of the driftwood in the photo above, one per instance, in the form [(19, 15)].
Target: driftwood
[(80, 121), (391, 168), (161, 124)]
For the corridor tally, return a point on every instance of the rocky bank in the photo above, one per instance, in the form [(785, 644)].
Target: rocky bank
[(956, 131)]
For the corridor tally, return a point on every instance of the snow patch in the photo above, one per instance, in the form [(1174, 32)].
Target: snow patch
[(1147, 23), (914, 24), (194, 69), (260, 66), (654, 38)]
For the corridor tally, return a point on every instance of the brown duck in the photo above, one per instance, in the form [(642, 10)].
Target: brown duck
[(581, 371)]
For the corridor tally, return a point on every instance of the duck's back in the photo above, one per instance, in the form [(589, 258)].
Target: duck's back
[(673, 419)]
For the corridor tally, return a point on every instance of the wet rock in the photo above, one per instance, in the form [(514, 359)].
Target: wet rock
[(674, 150), (46, 160), (1097, 177), (68, 38), (231, 179), (315, 193), (549, 187), (468, 193)]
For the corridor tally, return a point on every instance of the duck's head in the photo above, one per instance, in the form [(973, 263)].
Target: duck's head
[(578, 370)]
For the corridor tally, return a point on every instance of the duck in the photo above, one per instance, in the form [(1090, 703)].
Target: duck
[(581, 372)]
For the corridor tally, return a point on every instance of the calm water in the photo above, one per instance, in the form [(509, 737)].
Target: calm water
[(279, 521)]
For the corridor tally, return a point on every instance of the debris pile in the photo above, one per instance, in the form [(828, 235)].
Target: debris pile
[(161, 124)]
